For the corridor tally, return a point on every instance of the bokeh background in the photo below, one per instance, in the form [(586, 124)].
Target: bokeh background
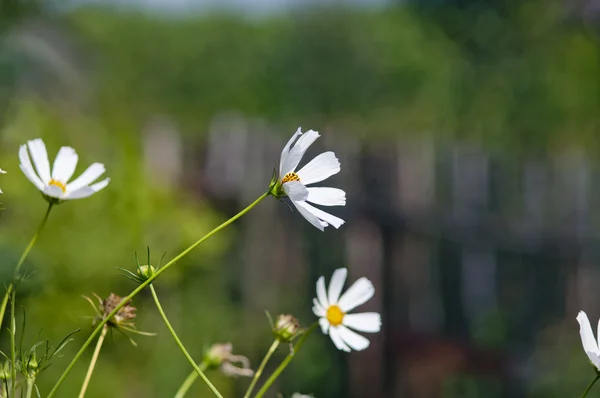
[(468, 136)]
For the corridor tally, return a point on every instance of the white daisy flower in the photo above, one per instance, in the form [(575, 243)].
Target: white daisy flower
[(294, 183), (56, 185), (2, 172), (590, 345), (333, 311)]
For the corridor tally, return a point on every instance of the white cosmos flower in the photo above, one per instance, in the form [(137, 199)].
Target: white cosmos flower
[(590, 345), (294, 183), (333, 311), (56, 185)]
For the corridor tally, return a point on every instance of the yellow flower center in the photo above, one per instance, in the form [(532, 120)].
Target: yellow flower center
[(59, 184), (335, 316), (290, 177)]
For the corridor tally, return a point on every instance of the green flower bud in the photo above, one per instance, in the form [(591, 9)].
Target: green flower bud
[(286, 328), (146, 271)]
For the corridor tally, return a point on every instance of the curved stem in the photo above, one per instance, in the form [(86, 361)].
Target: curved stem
[(189, 381), (30, 384), (285, 362), (261, 368), (35, 237), (90, 370), (142, 286), (589, 387), (180, 344), (13, 355)]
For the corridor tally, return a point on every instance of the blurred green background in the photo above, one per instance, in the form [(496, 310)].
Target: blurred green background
[(467, 132)]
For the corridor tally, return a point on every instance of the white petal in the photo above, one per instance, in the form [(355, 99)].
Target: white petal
[(2, 171), (298, 151), (27, 168), (321, 293), (87, 191), (90, 175), (334, 333), (359, 293), (328, 218), (295, 190), (336, 285), (318, 309), (80, 193), (311, 218), (352, 339), (326, 196), (53, 191), (64, 164), (324, 323), (286, 150), (40, 159), (590, 346), (366, 322), (320, 168), (100, 185)]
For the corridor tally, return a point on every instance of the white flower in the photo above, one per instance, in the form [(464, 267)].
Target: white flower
[(298, 395), (333, 311), (56, 185), (294, 183), (2, 172), (590, 345)]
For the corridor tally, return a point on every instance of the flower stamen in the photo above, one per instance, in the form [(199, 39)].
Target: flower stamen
[(59, 184), (335, 315), (290, 177)]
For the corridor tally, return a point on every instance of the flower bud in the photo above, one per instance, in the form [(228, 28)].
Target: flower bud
[(5, 373), (219, 356), (146, 271), (286, 328)]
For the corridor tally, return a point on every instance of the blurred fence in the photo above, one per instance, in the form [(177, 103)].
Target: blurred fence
[(472, 253)]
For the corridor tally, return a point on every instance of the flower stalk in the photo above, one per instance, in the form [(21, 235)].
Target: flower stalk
[(589, 387), (30, 384), (180, 344), (285, 362), (189, 381), (92, 366), (34, 239), (13, 355), (142, 286), (261, 368)]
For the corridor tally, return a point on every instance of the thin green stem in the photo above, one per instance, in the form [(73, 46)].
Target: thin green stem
[(285, 362), (261, 368), (189, 381), (30, 384), (13, 355), (34, 239), (180, 344), (142, 286), (95, 356), (589, 387)]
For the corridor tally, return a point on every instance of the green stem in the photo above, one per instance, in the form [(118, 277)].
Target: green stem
[(189, 381), (261, 368), (142, 286), (285, 362), (35, 237), (589, 387), (13, 355), (95, 356), (30, 384), (180, 344)]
